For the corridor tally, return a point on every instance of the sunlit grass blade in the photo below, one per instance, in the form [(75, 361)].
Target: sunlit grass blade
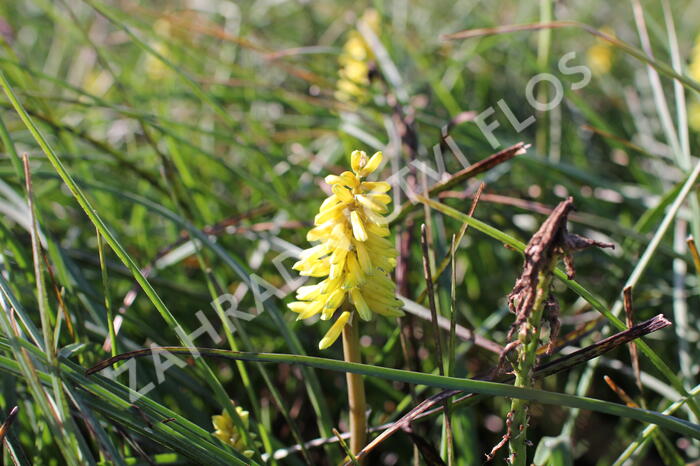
[(444, 382)]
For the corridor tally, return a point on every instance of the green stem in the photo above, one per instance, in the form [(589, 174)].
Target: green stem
[(356, 388), (529, 336)]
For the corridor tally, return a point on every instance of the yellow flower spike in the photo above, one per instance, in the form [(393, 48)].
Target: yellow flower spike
[(356, 63), (338, 257), (350, 179), (306, 309), (354, 258), (316, 252), (600, 56), (298, 306), (694, 115), (356, 71), (319, 232), (329, 202), (376, 241), (334, 332), (222, 422), (375, 219), (227, 432), (355, 49), (694, 72), (371, 19), (336, 271)]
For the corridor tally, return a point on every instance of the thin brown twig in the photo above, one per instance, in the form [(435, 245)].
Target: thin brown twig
[(694, 253), (504, 440), (5, 427), (479, 167), (619, 391)]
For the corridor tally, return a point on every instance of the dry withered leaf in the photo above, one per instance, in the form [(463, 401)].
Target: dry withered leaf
[(551, 241)]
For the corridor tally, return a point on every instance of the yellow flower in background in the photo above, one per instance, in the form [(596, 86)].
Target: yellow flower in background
[(599, 57), (694, 115), (694, 72), (155, 69), (694, 66), (229, 433), (355, 61), (353, 253)]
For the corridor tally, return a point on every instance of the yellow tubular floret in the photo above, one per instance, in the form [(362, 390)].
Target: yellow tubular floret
[(360, 304), (372, 164), (343, 193), (358, 159), (310, 292), (375, 186), (371, 204), (363, 258), (334, 332), (314, 308), (319, 232), (358, 227), (387, 311), (334, 301), (318, 269), (378, 229), (355, 277)]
